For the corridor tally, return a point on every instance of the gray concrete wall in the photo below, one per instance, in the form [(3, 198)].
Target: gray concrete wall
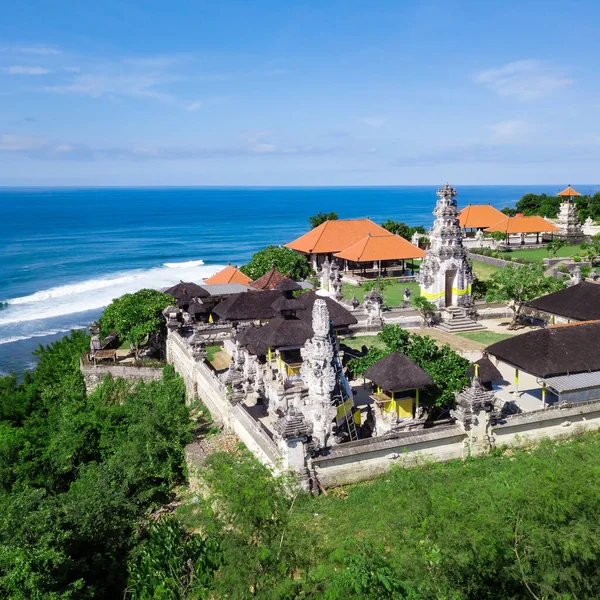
[(94, 374), (488, 260), (367, 459), (551, 423)]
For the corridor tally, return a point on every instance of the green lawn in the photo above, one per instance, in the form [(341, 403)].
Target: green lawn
[(484, 337), (483, 270), (392, 295), (540, 253), (358, 341), (211, 351)]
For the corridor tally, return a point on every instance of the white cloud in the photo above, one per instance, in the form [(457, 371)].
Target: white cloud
[(37, 49), (95, 86), (24, 70), (264, 148), (373, 121), (193, 106), (525, 79), (19, 143), (510, 131)]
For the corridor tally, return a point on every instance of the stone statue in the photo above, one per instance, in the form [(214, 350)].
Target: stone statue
[(325, 275), (575, 277)]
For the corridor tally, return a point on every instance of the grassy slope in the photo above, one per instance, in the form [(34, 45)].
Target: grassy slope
[(460, 507), (357, 342)]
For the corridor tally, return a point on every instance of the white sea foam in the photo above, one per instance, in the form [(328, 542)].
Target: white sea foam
[(43, 333), (97, 293)]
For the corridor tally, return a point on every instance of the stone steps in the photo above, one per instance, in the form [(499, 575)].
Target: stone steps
[(456, 321)]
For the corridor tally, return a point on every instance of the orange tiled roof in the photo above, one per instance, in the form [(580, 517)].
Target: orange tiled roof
[(381, 247), (479, 216), (269, 280), (569, 191), (523, 225), (335, 236), (229, 275)]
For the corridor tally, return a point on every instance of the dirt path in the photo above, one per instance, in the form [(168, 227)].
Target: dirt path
[(455, 341)]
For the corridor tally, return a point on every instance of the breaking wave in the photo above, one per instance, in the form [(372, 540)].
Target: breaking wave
[(94, 294)]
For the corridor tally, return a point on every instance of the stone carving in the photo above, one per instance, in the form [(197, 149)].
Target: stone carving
[(318, 375), (446, 275), (373, 303), (575, 277), (568, 221), (325, 274)]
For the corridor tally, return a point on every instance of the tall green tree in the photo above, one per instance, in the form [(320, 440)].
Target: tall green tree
[(135, 317), (285, 260), (518, 284), (321, 218), (402, 229)]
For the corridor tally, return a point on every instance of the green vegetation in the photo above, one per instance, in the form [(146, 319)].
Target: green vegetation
[(541, 253), (286, 261), (393, 293), (447, 368), (555, 246), (402, 229), (135, 317), (591, 249), (517, 284), (321, 217), (484, 337), (549, 206), (513, 525), (211, 351), (78, 473), (483, 271), (358, 341)]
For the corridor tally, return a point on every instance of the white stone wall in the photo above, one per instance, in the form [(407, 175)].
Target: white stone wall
[(94, 374)]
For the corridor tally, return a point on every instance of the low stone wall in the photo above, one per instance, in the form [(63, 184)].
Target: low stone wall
[(366, 459), (94, 374), (551, 423), (488, 260)]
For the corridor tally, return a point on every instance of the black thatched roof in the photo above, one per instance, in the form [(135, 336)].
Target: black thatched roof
[(397, 373), (286, 304), (487, 370), (275, 334), (248, 306), (185, 292), (580, 302), (288, 285), (558, 350), (196, 307), (339, 316)]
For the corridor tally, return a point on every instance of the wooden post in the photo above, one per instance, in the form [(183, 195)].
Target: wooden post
[(544, 394)]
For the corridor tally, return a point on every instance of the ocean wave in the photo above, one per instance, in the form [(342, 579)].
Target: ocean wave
[(98, 292), (44, 333), (184, 265)]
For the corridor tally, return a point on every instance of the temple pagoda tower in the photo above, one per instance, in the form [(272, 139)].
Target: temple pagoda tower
[(568, 222), (446, 274)]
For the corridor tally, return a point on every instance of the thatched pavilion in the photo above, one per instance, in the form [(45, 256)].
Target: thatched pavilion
[(398, 380)]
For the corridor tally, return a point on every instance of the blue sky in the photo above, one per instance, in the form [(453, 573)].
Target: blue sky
[(299, 92)]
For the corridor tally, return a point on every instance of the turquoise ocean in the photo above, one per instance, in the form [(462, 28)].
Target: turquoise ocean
[(66, 253)]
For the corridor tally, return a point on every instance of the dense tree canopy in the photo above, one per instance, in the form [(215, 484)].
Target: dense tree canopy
[(321, 217), (286, 261), (549, 206), (517, 284), (78, 472), (402, 229), (135, 317)]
